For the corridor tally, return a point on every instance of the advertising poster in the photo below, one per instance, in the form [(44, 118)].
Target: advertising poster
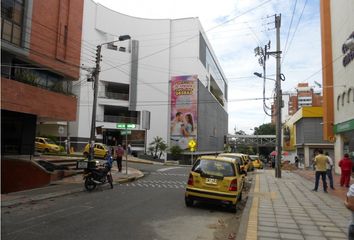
[(289, 137), (184, 94)]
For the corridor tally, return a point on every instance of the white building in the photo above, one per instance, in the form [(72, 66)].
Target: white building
[(137, 77), (337, 23)]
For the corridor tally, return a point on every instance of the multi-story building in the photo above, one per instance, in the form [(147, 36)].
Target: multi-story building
[(145, 75), (304, 96), (337, 27), (40, 57), (293, 101)]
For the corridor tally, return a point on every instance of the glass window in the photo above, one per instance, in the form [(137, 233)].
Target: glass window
[(12, 20), (214, 168)]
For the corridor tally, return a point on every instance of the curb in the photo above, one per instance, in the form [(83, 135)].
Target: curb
[(242, 229), (24, 200)]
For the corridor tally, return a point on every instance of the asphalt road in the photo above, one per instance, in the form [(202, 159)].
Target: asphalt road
[(150, 208)]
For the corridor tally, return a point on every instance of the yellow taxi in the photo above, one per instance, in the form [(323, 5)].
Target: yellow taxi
[(256, 161), (215, 179), (241, 158), (100, 150), (46, 145)]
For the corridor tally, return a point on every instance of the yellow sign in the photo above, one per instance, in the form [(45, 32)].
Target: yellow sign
[(192, 143)]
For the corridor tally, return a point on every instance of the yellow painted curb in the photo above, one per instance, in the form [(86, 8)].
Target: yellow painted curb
[(253, 218)]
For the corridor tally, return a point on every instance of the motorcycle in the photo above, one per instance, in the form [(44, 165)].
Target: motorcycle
[(98, 176)]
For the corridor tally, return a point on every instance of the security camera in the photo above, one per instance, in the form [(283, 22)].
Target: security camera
[(350, 43)]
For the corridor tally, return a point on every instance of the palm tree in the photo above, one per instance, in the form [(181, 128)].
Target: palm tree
[(158, 146)]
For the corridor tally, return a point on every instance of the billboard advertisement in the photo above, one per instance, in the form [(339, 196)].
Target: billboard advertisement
[(184, 94)]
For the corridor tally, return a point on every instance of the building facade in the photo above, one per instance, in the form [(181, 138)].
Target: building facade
[(40, 57), (337, 27), (303, 135), (135, 79)]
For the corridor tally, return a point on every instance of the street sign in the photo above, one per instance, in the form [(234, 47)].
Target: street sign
[(192, 143), (124, 132), (125, 126)]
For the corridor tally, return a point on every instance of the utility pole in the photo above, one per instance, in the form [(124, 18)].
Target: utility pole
[(96, 74), (279, 101)]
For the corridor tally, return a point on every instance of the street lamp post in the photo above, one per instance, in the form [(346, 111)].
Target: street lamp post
[(96, 74)]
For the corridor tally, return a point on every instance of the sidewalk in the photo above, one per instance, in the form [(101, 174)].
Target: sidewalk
[(286, 208), (66, 186)]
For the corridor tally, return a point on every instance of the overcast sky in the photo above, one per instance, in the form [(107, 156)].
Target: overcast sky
[(243, 25)]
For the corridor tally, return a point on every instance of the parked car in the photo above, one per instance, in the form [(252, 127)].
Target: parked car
[(100, 150), (245, 165), (256, 161), (46, 145), (215, 179)]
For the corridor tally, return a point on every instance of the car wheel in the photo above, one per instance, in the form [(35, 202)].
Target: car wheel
[(188, 201), (90, 185)]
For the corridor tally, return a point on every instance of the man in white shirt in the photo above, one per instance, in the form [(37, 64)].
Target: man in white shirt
[(329, 170)]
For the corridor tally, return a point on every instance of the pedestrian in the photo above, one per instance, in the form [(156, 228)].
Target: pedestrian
[(119, 154), (349, 203), (129, 149), (346, 168), (296, 161), (320, 162), (329, 170)]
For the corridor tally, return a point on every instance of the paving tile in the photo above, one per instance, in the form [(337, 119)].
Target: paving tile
[(291, 236), (267, 224), (268, 238), (267, 229), (330, 229), (289, 230), (311, 232), (269, 234), (313, 238), (286, 225), (310, 226), (334, 234)]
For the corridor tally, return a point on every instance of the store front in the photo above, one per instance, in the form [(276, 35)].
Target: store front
[(344, 139)]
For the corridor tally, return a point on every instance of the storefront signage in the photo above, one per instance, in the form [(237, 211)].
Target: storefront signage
[(344, 126), (348, 54)]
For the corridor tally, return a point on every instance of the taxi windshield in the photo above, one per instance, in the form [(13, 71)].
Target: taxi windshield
[(49, 141), (214, 168)]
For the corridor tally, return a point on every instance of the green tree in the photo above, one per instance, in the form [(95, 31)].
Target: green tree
[(265, 129), (157, 147), (175, 151)]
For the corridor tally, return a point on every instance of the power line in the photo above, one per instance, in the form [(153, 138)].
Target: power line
[(194, 36), (297, 25)]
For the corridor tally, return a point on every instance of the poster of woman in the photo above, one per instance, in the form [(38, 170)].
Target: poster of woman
[(184, 93)]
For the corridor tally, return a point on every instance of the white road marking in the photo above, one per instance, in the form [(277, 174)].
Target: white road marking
[(167, 169)]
